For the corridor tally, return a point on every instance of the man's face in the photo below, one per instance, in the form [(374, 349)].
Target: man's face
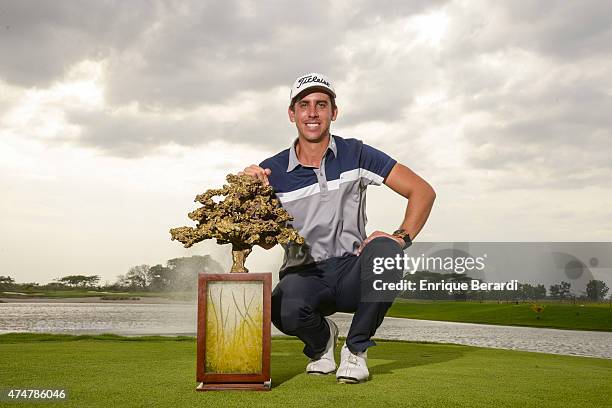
[(313, 115)]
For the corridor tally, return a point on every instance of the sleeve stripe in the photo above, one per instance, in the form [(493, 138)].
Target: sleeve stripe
[(372, 176)]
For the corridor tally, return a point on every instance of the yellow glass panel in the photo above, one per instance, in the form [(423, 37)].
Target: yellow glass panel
[(234, 327)]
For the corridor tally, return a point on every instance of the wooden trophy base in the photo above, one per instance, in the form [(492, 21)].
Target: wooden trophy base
[(265, 386), (253, 293)]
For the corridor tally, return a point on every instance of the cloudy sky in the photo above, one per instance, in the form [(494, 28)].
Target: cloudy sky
[(114, 115)]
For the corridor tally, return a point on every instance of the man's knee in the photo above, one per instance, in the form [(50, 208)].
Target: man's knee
[(292, 315), (380, 257), (383, 247), (290, 311), (381, 272)]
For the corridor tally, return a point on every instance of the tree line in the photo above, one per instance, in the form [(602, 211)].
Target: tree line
[(596, 290), (179, 274)]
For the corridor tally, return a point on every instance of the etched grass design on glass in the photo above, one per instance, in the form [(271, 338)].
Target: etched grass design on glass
[(234, 327)]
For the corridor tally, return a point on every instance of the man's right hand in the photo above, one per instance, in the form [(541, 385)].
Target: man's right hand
[(259, 173), (262, 174)]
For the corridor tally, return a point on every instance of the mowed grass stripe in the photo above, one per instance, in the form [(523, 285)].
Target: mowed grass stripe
[(589, 316), (161, 372)]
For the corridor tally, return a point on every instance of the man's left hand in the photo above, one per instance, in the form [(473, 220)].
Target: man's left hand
[(378, 234)]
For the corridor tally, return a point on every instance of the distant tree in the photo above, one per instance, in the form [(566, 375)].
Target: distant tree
[(539, 292), (439, 294), (28, 286), (93, 280), (186, 270), (424, 294), (195, 263), (564, 290), (459, 277), (531, 292), (554, 291), (526, 291), (560, 291), (55, 285), (6, 282), (79, 281), (596, 289), (161, 278), (179, 274), (122, 282), (138, 277)]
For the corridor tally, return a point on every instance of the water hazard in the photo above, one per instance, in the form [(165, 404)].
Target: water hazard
[(180, 319)]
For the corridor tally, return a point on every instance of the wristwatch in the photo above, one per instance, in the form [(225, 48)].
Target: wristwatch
[(400, 233)]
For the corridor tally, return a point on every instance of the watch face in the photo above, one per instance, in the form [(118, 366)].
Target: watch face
[(401, 234), (404, 236)]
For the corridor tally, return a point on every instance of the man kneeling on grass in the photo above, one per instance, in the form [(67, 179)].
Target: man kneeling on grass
[(321, 181)]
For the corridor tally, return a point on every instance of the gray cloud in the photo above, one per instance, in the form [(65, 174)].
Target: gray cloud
[(40, 40), (210, 52), (551, 129), (129, 135), (537, 78), (565, 30), (182, 53), (550, 116)]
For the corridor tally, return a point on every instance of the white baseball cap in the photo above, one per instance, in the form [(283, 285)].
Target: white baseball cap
[(311, 80)]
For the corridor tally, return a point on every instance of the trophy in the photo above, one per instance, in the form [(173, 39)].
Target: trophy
[(233, 340)]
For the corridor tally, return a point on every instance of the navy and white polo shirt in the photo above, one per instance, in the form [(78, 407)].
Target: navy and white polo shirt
[(327, 203)]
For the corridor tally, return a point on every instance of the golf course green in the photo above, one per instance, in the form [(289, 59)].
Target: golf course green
[(572, 316), (109, 371)]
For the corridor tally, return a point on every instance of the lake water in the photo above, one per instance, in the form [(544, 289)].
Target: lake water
[(180, 319), (89, 318)]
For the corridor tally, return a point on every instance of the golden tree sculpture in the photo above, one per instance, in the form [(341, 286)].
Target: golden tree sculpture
[(248, 215)]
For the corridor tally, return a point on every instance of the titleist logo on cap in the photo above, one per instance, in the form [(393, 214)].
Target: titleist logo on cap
[(310, 78)]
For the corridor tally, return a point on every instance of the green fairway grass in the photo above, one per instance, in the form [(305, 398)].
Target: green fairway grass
[(113, 371), (589, 316)]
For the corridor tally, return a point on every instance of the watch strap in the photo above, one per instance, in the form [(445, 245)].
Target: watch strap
[(400, 233)]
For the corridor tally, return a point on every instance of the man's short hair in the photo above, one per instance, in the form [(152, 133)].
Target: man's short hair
[(332, 98)]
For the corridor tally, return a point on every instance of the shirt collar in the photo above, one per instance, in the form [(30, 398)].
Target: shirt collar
[(293, 159)]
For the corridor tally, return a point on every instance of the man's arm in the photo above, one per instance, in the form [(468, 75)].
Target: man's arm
[(420, 197)]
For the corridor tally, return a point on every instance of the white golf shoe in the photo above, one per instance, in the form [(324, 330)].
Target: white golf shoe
[(353, 367), (326, 364)]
